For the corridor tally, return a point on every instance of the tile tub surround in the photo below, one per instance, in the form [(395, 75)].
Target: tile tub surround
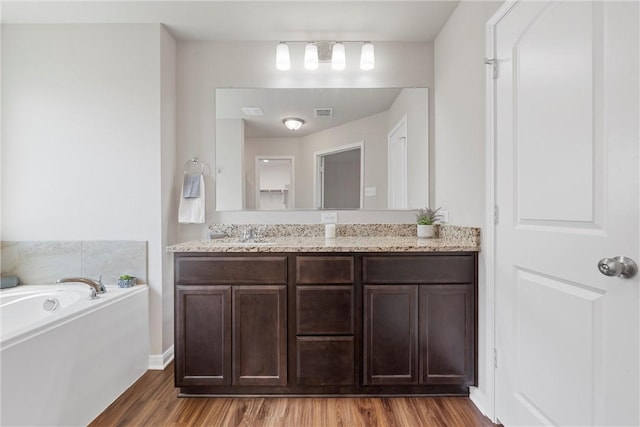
[(42, 262), (349, 238)]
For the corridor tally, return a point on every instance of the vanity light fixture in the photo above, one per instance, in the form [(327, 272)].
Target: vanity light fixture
[(311, 56), (283, 61), (367, 57), (338, 57), (293, 123), (325, 51)]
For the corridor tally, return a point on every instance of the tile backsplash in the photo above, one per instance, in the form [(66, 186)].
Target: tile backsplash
[(43, 262), (444, 231)]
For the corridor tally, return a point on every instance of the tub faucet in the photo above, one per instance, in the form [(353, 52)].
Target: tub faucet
[(97, 286)]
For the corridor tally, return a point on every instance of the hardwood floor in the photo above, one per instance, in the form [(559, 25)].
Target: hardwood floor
[(153, 401)]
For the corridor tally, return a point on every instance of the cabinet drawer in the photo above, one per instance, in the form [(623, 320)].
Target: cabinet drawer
[(418, 269), (324, 310), (325, 361), (324, 270), (269, 270)]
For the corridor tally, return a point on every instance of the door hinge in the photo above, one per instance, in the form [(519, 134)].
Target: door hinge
[(494, 67), (496, 214), (495, 358)]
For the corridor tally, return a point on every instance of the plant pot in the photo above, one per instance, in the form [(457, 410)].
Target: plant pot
[(426, 231), (126, 283)]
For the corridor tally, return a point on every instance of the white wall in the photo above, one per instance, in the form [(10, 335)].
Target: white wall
[(169, 193), (203, 66), (81, 140), (1, 102), (229, 169), (460, 118), (460, 149)]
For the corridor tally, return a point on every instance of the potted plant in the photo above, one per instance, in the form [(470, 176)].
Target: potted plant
[(126, 281), (426, 218)]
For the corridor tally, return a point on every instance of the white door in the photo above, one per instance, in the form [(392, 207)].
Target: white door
[(567, 136), (397, 166)]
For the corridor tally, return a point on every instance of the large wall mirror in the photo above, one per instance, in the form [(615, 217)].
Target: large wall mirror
[(351, 148)]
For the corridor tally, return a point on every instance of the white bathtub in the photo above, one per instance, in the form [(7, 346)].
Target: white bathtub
[(64, 367)]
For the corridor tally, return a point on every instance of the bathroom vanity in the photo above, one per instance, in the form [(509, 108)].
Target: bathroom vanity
[(373, 316)]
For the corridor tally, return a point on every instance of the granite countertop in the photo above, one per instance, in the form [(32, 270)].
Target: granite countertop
[(349, 238), (339, 244)]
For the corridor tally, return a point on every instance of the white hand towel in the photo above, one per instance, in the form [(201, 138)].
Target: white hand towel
[(191, 211)]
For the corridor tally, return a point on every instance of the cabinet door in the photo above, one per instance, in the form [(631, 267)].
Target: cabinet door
[(260, 335), (447, 338), (390, 334), (202, 335)]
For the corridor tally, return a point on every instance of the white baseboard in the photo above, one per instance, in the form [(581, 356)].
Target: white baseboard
[(158, 362), (479, 399)]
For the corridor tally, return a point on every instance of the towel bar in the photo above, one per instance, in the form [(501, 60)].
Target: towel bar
[(193, 162)]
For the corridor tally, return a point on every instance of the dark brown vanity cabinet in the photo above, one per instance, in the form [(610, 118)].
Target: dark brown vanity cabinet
[(325, 323), (419, 320), (230, 321)]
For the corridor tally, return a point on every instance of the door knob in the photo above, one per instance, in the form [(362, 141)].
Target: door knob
[(619, 266)]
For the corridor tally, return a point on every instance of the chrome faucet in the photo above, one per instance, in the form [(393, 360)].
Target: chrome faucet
[(248, 234), (96, 286)]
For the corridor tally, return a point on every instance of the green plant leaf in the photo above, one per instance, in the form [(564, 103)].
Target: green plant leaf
[(428, 216)]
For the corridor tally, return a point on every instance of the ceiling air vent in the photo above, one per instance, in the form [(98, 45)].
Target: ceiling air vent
[(252, 111), (322, 112)]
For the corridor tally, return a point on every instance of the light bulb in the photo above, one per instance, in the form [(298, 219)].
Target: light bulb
[(338, 57), (367, 58), (311, 57), (283, 62)]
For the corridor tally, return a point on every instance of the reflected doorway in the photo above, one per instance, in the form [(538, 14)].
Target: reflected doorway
[(339, 177), (397, 166), (275, 189)]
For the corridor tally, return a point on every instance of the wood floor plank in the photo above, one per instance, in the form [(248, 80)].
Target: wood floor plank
[(153, 401)]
